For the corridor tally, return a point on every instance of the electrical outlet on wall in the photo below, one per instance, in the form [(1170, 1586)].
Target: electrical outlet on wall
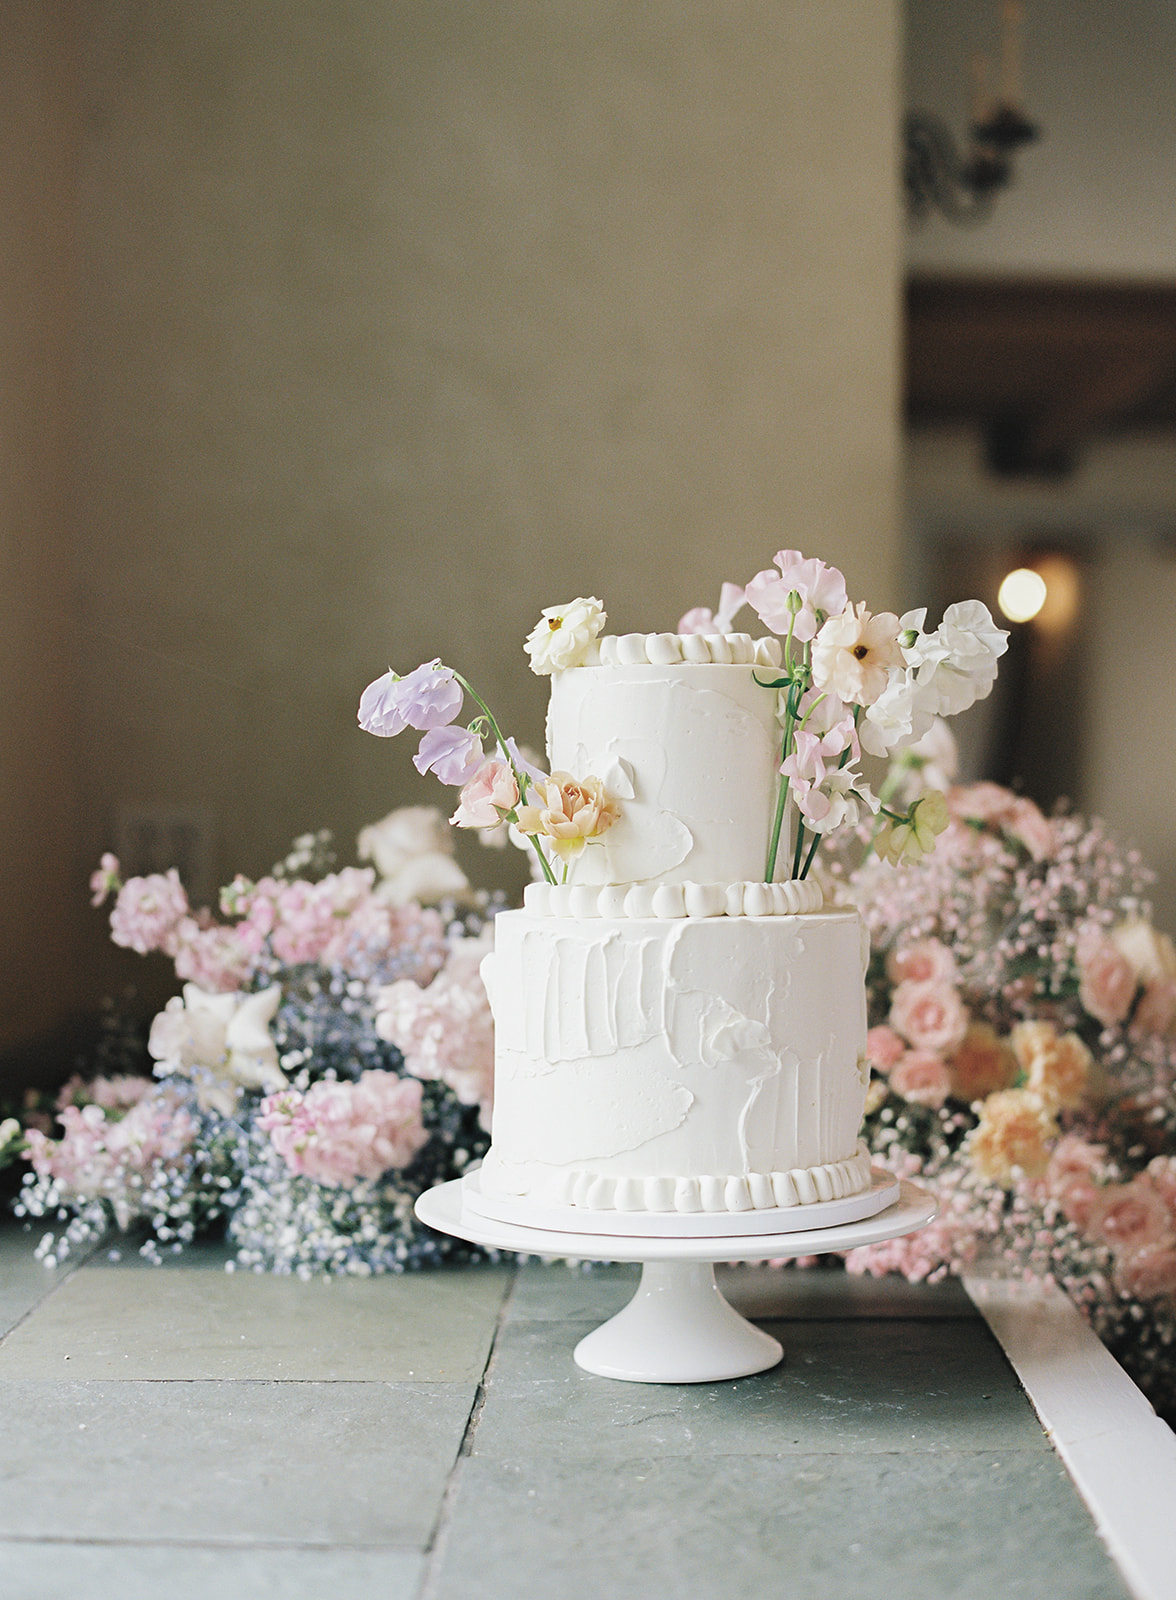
[(156, 838)]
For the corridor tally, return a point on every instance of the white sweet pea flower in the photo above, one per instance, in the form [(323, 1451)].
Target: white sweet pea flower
[(901, 714), (956, 665), (221, 1041), (563, 636)]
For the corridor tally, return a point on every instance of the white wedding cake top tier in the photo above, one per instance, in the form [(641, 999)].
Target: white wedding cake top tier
[(689, 749)]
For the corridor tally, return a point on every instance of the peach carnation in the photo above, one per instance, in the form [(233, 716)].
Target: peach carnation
[(1013, 1136), (982, 1064), (1058, 1067)]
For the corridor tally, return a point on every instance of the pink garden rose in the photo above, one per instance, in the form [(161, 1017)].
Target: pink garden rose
[(1128, 1216), (147, 912), (488, 796), (1148, 1273), (930, 1015), (884, 1048), (925, 961), (1106, 980), (921, 1076), (1072, 1177)]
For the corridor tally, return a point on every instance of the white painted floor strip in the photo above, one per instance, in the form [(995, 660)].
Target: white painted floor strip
[(1121, 1456)]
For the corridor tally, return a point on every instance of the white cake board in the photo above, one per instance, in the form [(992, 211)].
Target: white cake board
[(677, 1328), (882, 1192)]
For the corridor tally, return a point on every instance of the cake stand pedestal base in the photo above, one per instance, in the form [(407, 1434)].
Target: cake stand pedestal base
[(678, 1328)]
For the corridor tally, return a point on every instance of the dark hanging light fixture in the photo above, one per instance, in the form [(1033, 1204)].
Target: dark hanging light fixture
[(962, 186)]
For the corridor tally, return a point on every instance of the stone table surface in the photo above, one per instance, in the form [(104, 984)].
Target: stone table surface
[(186, 1431)]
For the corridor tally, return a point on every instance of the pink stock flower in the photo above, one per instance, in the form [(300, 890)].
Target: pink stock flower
[(488, 797), (340, 1133), (820, 592), (147, 912), (428, 697), (921, 1076), (106, 880), (930, 1015)]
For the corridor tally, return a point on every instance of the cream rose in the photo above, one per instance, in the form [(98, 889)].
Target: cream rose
[(562, 636)]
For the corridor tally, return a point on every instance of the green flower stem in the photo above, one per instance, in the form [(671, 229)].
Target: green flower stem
[(520, 778)]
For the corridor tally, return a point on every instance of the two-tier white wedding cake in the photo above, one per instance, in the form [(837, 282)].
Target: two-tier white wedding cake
[(673, 1033)]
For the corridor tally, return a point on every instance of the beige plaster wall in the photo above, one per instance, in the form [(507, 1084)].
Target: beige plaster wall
[(401, 320), (40, 730)]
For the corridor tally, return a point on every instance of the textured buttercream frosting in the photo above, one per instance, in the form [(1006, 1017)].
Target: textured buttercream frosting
[(690, 1064)]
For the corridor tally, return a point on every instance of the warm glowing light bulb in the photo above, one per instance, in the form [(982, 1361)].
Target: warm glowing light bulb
[(1022, 594)]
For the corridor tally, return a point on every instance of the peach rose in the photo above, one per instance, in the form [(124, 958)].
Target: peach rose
[(571, 813), (1128, 1216), (930, 1015), (926, 961), (1156, 1010), (1013, 1136), (981, 1064), (1058, 1067), (921, 1076), (1106, 979)]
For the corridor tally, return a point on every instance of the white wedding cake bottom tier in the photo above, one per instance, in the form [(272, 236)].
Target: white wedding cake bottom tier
[(692, 1065)]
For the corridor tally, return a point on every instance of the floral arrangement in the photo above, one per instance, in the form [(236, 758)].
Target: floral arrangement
[(1023, 1056), (848, 681), (328, 1059)]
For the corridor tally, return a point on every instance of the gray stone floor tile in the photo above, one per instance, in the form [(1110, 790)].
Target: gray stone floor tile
[(826, 1292), (559, 1290), (134, 1321), (68, 1571), (843, 1386), (331, 1463), (24, 1282), (846, 1526)]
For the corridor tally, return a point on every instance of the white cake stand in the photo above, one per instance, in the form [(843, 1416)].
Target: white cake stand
[(677, 1328)]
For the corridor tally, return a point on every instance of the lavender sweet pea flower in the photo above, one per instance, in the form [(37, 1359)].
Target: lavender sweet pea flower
[(454, 754), (428, 697)]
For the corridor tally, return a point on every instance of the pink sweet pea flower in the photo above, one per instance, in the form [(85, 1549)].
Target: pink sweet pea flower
[(703, 620), (821, 590)]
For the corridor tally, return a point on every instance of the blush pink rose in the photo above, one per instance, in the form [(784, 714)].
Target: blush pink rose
[(1162, 1172), (883, 1047), (490, 792), (922, 1077), (1156, 1010), (1148, 1273), (1071, 1179), (930, 1015), (1106, 979), (1128, 1216), (927, 961), (1033, 829)]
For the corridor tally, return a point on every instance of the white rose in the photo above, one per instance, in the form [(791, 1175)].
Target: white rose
[(562, 636)]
